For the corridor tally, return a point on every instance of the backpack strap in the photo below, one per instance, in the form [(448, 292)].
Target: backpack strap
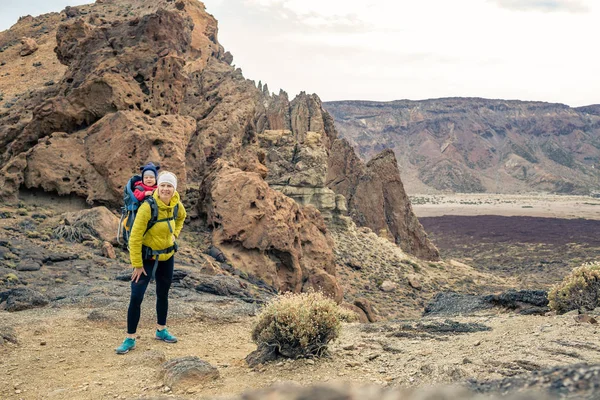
[(147, 252), (153, 213)]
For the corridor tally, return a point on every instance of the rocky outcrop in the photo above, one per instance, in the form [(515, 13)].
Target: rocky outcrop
[(149, 81), (267, 234), (376, 198), (478, 145)]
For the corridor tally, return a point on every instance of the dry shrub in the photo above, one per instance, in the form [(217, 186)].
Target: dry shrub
[(578, 291), (299, 325), (76, 232)]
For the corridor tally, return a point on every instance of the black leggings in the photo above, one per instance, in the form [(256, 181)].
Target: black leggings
[(164, 277)]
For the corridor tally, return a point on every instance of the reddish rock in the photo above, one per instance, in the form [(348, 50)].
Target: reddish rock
[(108, 250), (99, 220), (414, 282), (366, 306), (266, 234), (585, 319), (28, 46), (362, 316), (376, 197)]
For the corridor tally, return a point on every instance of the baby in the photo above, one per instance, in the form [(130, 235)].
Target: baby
[(146, 186)]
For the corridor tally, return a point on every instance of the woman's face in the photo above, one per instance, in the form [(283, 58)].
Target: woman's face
[(165, 191)]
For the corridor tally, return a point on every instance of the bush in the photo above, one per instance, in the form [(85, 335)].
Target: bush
[(578, 291), (299, 325)]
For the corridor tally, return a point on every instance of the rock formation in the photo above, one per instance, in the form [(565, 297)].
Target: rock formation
[(376, 198), (267, 234), (149, 81), (479, 145)]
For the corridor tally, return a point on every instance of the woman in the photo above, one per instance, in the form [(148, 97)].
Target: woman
[(151, 249)]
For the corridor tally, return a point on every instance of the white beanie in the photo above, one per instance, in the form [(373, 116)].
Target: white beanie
[(167, 177)]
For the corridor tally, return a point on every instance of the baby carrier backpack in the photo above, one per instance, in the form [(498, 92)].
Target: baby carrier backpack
[(129, 212)]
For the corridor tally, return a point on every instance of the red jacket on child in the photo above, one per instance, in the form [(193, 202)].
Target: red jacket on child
[(140, 190)]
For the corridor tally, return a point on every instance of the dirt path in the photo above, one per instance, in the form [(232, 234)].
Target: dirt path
[(63, 355)]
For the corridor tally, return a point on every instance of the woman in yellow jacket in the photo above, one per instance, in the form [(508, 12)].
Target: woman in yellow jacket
[(151, 251)]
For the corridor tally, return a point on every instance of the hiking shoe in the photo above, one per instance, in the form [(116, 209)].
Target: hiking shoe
[(165, 336), (128, 344)]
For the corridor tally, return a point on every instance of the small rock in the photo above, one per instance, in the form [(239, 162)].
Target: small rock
[(29, 46), (414, 282), (108, 251), (585, 318), (388, 286)]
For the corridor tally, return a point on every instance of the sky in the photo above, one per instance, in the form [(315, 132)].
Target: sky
[(541, 50)]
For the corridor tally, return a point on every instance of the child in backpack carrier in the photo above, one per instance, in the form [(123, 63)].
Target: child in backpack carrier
[(147, 185)]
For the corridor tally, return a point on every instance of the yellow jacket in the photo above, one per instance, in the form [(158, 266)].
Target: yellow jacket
[(159, 236)]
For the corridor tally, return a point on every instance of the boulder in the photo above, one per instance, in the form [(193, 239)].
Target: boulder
[(362, 316), (100, 222), (21, 298), (28, 46), (268, 235), (414, 282), (388, 286), (186, 372), (367, 308)]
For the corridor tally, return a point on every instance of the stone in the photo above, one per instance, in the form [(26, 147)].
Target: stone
[(388, 286), (585, 318), (414, 282), (362, 316), (260, 231), (21, 298), (108, 250), (28, 46), (185, 372), (100, 222), (366, 306), (29, 265)]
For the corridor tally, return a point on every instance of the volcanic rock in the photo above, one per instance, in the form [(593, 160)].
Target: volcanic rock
[(29, 46), (267, 234), (376, 197), (98, 221)]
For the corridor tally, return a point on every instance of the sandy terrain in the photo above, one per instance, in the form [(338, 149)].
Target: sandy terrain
[(533, 205), (63, 355)]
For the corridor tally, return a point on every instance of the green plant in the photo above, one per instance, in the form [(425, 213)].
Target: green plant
[(299, 325), (578, 291)]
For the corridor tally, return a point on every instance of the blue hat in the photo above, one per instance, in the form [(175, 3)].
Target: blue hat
[(150, 167)]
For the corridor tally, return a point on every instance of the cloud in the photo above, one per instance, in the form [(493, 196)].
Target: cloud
[(574, 6)]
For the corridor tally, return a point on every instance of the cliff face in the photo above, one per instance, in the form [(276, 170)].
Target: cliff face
[(139, 81), (376, 198), (479, 145)]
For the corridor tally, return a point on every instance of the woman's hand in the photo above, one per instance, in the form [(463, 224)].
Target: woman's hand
[(137, 273)]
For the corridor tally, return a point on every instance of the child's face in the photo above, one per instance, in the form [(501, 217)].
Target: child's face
[(149, 180)]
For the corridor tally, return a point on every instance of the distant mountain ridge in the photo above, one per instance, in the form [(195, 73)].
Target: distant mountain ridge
[(479, 145)]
